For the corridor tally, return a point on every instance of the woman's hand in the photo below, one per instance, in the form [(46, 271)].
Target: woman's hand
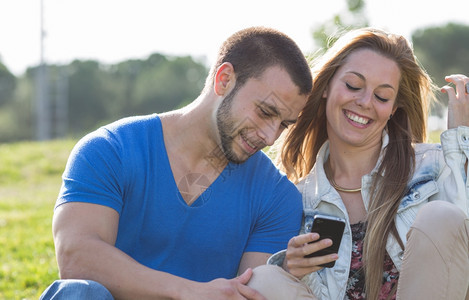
[(458, 100), (295, 262)]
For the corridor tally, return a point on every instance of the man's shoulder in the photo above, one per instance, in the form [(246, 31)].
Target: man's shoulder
[(125, 133), (261, 162), (129, 123), (135, 128)]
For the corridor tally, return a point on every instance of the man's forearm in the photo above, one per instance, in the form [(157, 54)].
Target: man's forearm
[(124, 277)]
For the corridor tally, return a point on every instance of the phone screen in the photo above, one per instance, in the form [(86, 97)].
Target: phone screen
[(328, 227)]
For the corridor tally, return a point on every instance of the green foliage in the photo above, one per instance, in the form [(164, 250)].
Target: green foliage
[(327, 33), (7, 84), (88, 94), (96, 94), (172, 82), (29, 183), (99, 94), (443, 50), (15, 117)]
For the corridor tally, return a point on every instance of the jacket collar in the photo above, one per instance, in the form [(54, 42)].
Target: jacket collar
[(315, 187)]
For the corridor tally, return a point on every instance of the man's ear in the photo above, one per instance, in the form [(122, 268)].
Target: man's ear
[(224, 79)]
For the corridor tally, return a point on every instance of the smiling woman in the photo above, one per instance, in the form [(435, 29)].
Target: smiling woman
[(353, 160), (360, 100)]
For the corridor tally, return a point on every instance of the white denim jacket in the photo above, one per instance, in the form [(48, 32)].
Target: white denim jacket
[(439, 175)]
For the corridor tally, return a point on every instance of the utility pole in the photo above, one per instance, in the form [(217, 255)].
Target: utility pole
[(42, 97)]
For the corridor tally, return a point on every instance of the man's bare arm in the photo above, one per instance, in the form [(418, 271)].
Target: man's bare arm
[(252, 260)]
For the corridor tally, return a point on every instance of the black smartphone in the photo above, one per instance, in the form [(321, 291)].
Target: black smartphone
[(328, 227)]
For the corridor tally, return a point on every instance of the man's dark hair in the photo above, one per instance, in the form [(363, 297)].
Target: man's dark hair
[(252, 50)]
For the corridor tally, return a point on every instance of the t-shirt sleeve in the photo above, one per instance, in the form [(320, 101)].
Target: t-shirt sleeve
[(93, 173), (279, 219)]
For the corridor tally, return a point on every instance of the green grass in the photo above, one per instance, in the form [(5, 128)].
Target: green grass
[(434, 137), (29, 183), (30, 178)]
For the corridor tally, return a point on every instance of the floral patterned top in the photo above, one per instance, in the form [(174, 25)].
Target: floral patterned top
[(356, 281)]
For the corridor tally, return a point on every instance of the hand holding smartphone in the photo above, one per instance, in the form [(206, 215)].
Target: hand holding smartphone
[(328, 227)]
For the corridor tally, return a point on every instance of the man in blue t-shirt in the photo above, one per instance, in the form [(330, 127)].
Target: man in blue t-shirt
[(176, 205)]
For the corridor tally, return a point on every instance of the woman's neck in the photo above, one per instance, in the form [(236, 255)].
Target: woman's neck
[(347, 164), (345, 168)]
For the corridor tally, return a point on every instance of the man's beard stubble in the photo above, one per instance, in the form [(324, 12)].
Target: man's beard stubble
[(226, 127)]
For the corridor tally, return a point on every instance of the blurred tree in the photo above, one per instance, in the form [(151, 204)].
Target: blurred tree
[(15, 115), (123, 76), (168, 85), (94, 94), (97, 94), (156, 84), (88, 95), (7, 84), (327, 33), (443, 50)]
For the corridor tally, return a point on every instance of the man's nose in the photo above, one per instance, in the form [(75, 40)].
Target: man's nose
[(269, 132)]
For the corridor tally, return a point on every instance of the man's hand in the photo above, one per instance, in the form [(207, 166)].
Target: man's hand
[(224, 289)]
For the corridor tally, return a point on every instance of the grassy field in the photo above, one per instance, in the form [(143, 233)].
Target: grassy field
[(29, 183)]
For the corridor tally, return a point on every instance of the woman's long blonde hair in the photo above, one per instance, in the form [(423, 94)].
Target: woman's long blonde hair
[(408, 125)]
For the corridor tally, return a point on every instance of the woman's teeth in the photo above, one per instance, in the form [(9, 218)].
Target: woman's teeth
[(357, 119)]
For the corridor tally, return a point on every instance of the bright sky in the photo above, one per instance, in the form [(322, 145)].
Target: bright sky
[(114, 30)]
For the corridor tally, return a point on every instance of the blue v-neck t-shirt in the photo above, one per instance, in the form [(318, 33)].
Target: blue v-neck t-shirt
[(250, 207)]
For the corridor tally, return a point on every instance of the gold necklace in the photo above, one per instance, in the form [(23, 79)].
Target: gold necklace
[(342, 189), (330, 177)]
